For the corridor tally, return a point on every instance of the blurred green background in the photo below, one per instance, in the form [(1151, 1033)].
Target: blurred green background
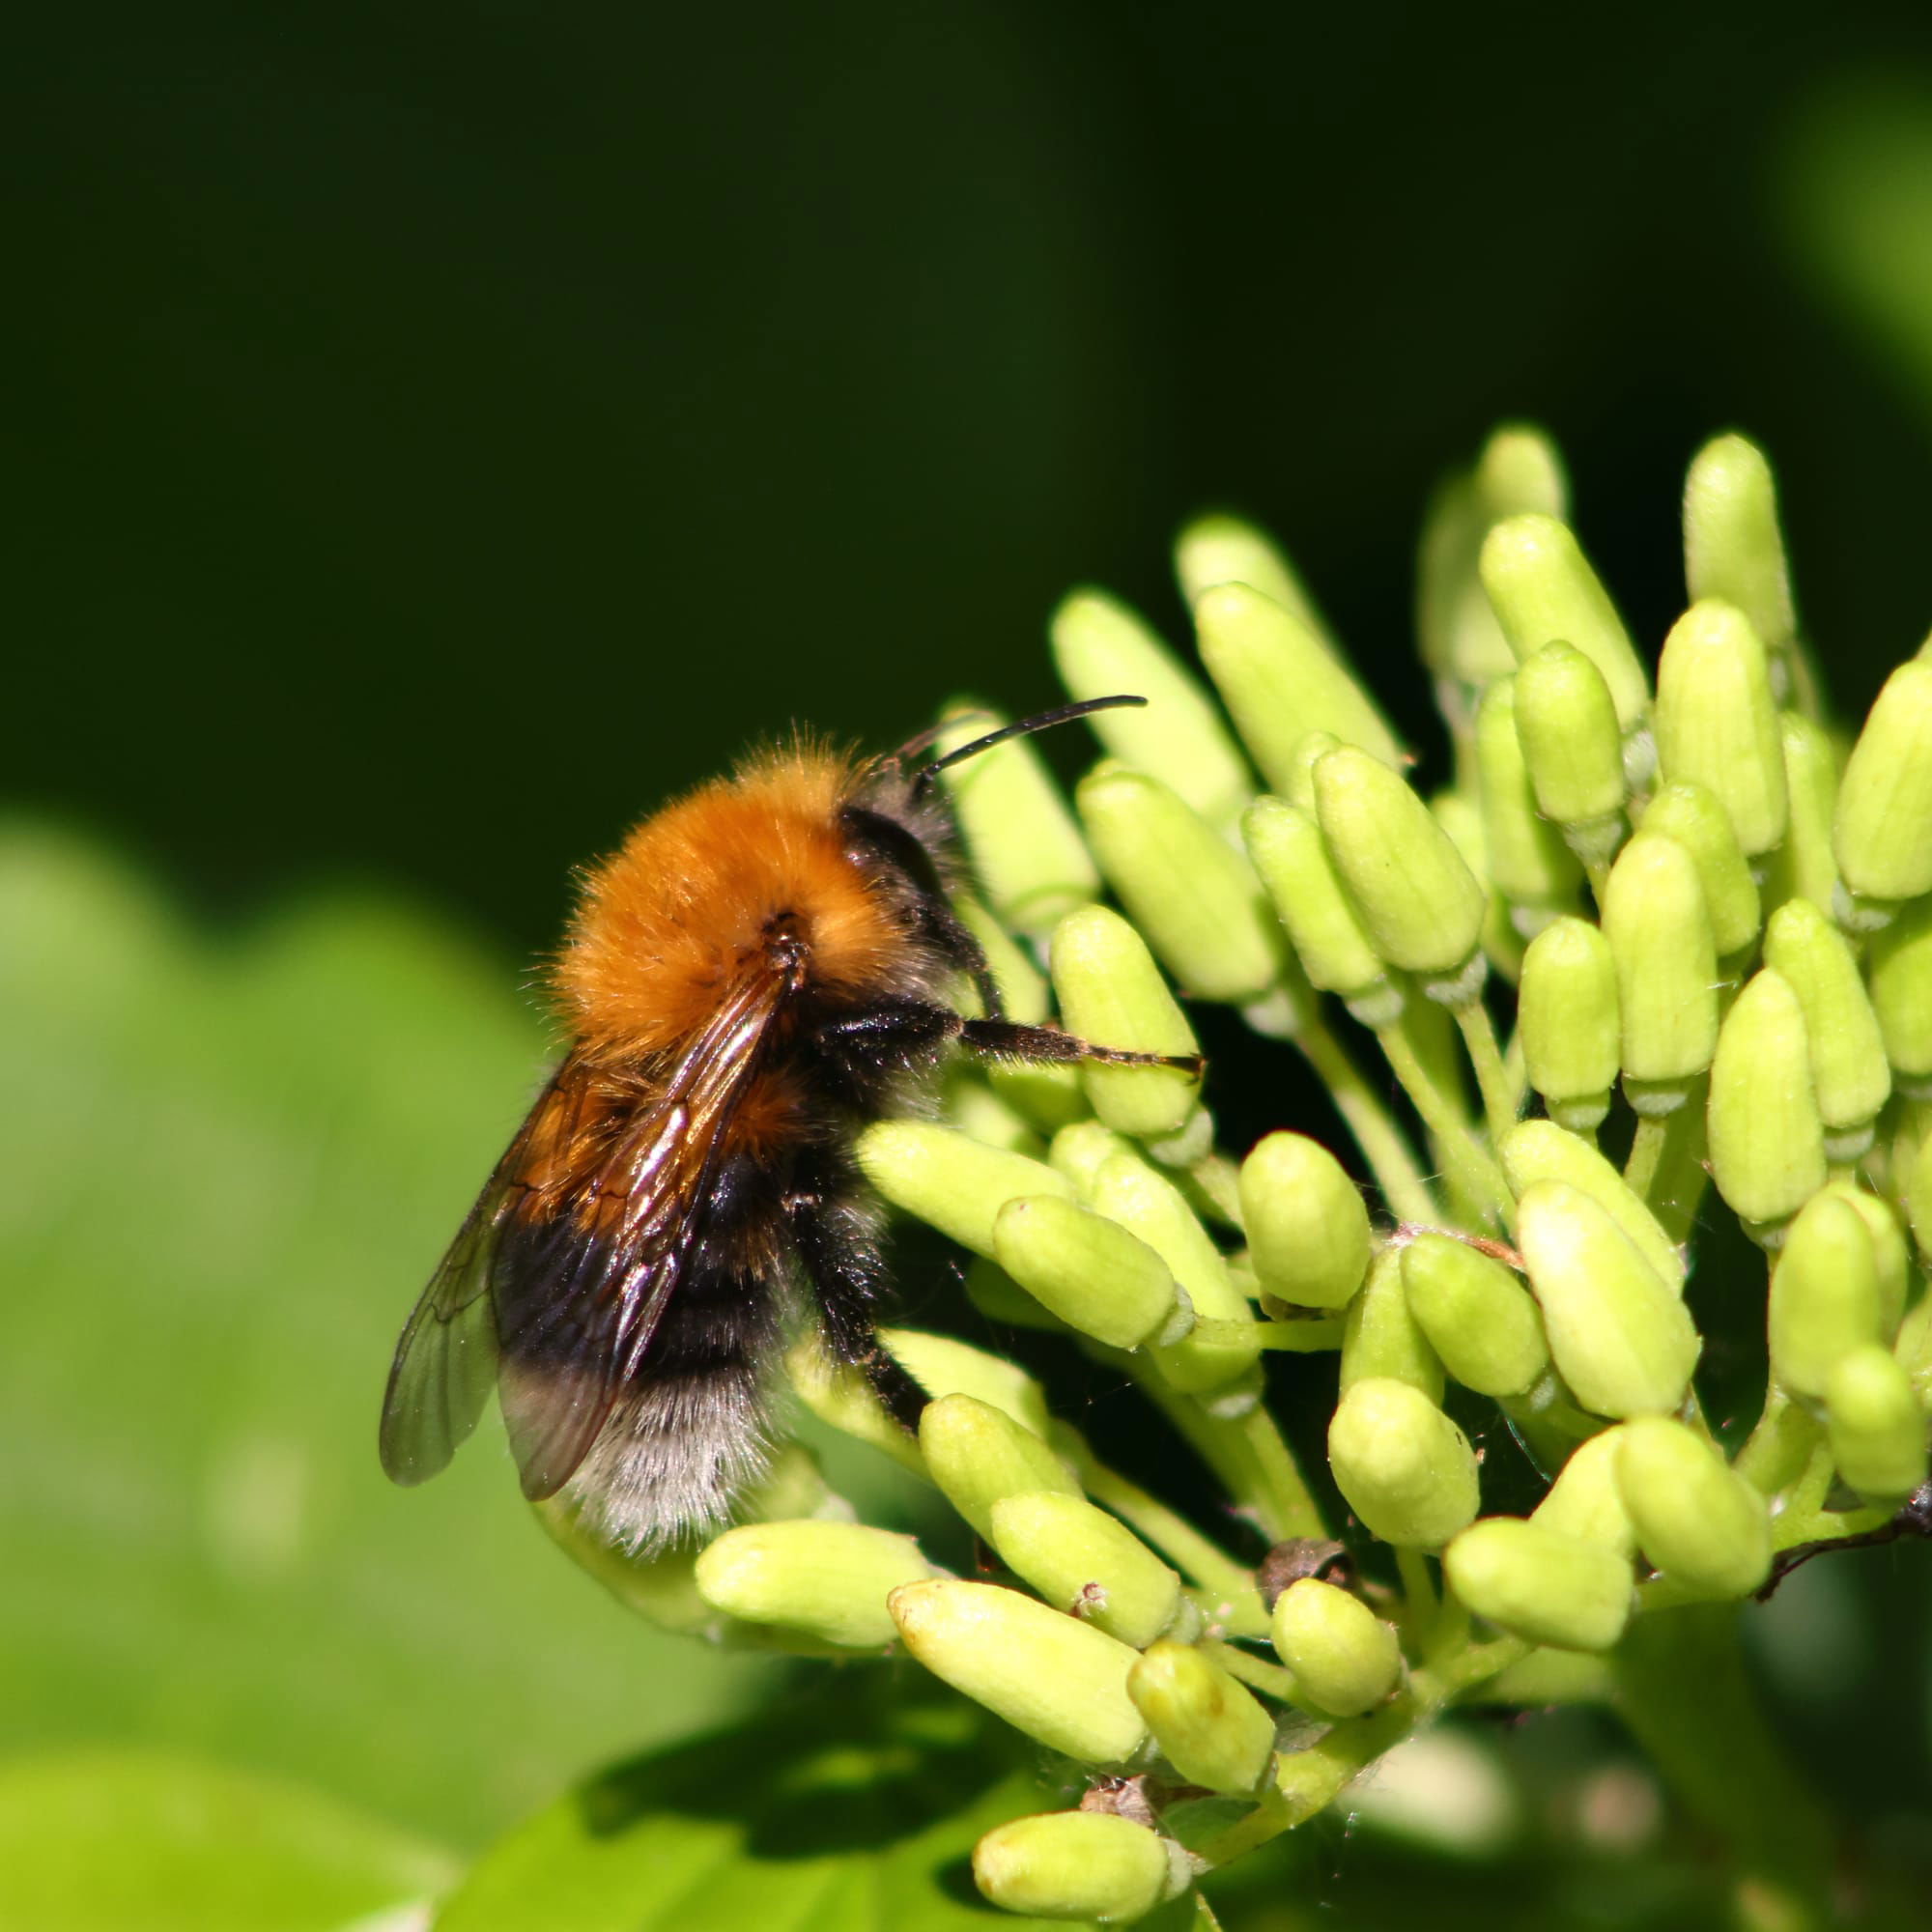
[(436, 433)]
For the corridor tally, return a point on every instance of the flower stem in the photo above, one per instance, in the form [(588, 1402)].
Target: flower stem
[(1502, 1096), (1395, 1168), (1475, 1169)]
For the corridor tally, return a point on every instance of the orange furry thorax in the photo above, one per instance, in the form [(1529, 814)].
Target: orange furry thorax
[(677, 914)]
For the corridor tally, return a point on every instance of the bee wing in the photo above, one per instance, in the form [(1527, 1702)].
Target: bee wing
[(445, 1362), (577, 1298)]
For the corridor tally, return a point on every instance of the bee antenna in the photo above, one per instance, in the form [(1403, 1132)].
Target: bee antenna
[(1024, 727)]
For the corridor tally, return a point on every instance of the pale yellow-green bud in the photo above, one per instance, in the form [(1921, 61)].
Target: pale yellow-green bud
[(1149, 1207), (1415, 896), (1402, 1466), (1889, 1249), (1717, 721), (1534, 1151), (1584, 1500), (1287, 847), (1307, 1226), (1849, 1075), (1346, 1659), (1690, 814), (1697, 1521), (1208, 1726), (1479, 1319), (1528, 862), (1618, 1333), (1220, 549), (1883, 832), (1028, 856), (1383, 1340), (1087, 1270), (1091, 1866), (978, 1455), (1099, 647), (943, 1366), (1192, 896), (1567, 1020), (1112, 993), (1079, 1151), (1542, 589), (1805, 866), (1732, 545), (1280, 681), (1767, 1142), (949, 1180), (1082, 1561), (1059, 1679), (1572, 747), (1900, 978), (1875, 1424), (827, 1580), (1540, 1584), (1659, 930), (1824, 1294)]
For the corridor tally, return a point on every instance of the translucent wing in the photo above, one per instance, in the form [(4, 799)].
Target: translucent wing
[(581, 1240)]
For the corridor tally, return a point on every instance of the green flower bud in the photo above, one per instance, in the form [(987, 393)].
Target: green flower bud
[(1584, 1500), (1028, 855), (1824, 1294), (1542, 589), (1079, 1153), (1478, 1317), (1766, 1143), (985, 1116), (1875, 1425), (1900, 978), (1619, 1335), (842, 1399), (1079, 1864), (1539, 1584), (1659, 933), (1883, 830), (1383, 1340), (1285, 845), (1345, 1659), (1888, 1250), (943, 1366), (1280, 682), (1307, 1226), (947, 1179), (1059, 1679), (1149, 1207), (977, 1456), (1528, 861), (1044, 1094), (1195, 897), (1717, 722), (1534, 1151), (1520, 469), (1567, 1020), (1690, 814), (1415, 896), (1732, 545), (1503, 927), (1849, 1075), (1084, 1562), (1110, 992), (1570, 743), (1401, 1466), (1697, 1519), (828, 1579), (1089, 1270), (1209, 1727), (1099, 647), (1805, 866), (1218, 550)]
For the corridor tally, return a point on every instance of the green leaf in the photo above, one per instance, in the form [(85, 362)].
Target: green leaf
[(855, 1807), (229, 1168), (138, 1842)]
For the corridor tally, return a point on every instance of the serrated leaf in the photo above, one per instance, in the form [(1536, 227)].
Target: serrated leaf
[(140, 1842)]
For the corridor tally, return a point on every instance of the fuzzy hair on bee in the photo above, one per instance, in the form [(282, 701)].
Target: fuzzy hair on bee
[(764, 966)]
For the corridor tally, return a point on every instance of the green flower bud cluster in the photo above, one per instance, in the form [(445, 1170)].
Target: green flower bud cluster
[(1658, 950)]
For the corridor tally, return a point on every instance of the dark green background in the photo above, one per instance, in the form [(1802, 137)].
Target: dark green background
[(436, 431)]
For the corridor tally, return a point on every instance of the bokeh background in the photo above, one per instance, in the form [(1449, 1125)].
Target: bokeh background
[(435, 432)]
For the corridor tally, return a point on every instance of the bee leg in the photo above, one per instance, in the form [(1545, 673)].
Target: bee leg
[(1008, 1039), (838, 1246), (886, 1039)]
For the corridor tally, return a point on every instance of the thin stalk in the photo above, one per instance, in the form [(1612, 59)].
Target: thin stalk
[(1272, 1680), (1646, 1151), (1502, 1096), (1387, 1152), (1297, 1338), (1418, 1590), (1475, 1169)]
